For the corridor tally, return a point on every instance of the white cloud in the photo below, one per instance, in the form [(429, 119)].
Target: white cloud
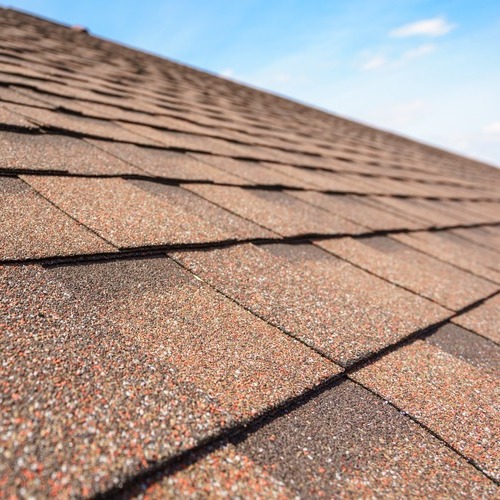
[(492, 128), (419, 51), (374, 63), (436, 26)]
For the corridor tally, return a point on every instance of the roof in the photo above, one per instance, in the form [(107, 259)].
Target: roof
[(207, 289)]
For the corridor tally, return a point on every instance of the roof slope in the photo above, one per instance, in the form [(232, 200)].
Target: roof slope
[(208, 289)]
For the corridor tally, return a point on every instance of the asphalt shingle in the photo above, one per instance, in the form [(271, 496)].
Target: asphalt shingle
[(411, 269), (32, 227), (340, 310), (49, 152), (450, 396), (161, 332), (276, 211), (177, 358), (484, 320)]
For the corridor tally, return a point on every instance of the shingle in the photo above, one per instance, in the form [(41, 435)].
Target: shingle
[(178, 140), (484, 320), (411, 269), (164, 163), (8, 94), (56, 152), (451, 397), (329, 181), (468, 346), (447, 246), (343, 311), (124, 214), (219, 218), (178, 359), (347, 443), (31, 227), (9, 119), (276, 211), (424, 210), (223, 473), (488, 237), (354, 209)]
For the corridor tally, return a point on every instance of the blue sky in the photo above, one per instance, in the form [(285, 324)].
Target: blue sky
[(426, 69)]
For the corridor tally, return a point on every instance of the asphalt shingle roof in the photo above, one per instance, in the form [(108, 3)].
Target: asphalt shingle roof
[(209, 290)]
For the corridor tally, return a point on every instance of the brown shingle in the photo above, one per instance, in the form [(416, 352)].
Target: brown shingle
[(448, 395), (446, 246), (10, 119), (220, 219), (276, 211), (164, 163), (57, 152), (124, 214), (79, 124), (468, 346), (343, 311), (348, 443), (177, 358), (411, 269), (354, 208), (484, 320), (32, 227)]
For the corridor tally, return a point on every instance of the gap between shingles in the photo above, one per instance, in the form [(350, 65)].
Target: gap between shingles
[(175, 181), (132, 253), (158, 470)]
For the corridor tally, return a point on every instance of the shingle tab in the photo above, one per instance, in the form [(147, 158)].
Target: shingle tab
[(329, 304), (276, 211), (123, 214), (344, 443), (484, 320), (447, 246), (411, 269), (164, 163), (353, 208), (468, 346), (32, 227), (57, 153), (451, 397)]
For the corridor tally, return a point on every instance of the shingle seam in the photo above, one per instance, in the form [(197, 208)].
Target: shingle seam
[(68, 215), (427, 429), (132, 485), (359, 363), (159, 250), (241, 431), (387, 280), (444, 261), (176, 181), (262, 318), (417, 335)]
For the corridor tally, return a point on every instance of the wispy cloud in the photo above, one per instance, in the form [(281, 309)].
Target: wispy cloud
[(492, 128), (419, 51), (374, 63), (437, 26)]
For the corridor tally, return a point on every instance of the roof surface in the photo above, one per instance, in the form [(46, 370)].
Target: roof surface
[(211, 290)]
